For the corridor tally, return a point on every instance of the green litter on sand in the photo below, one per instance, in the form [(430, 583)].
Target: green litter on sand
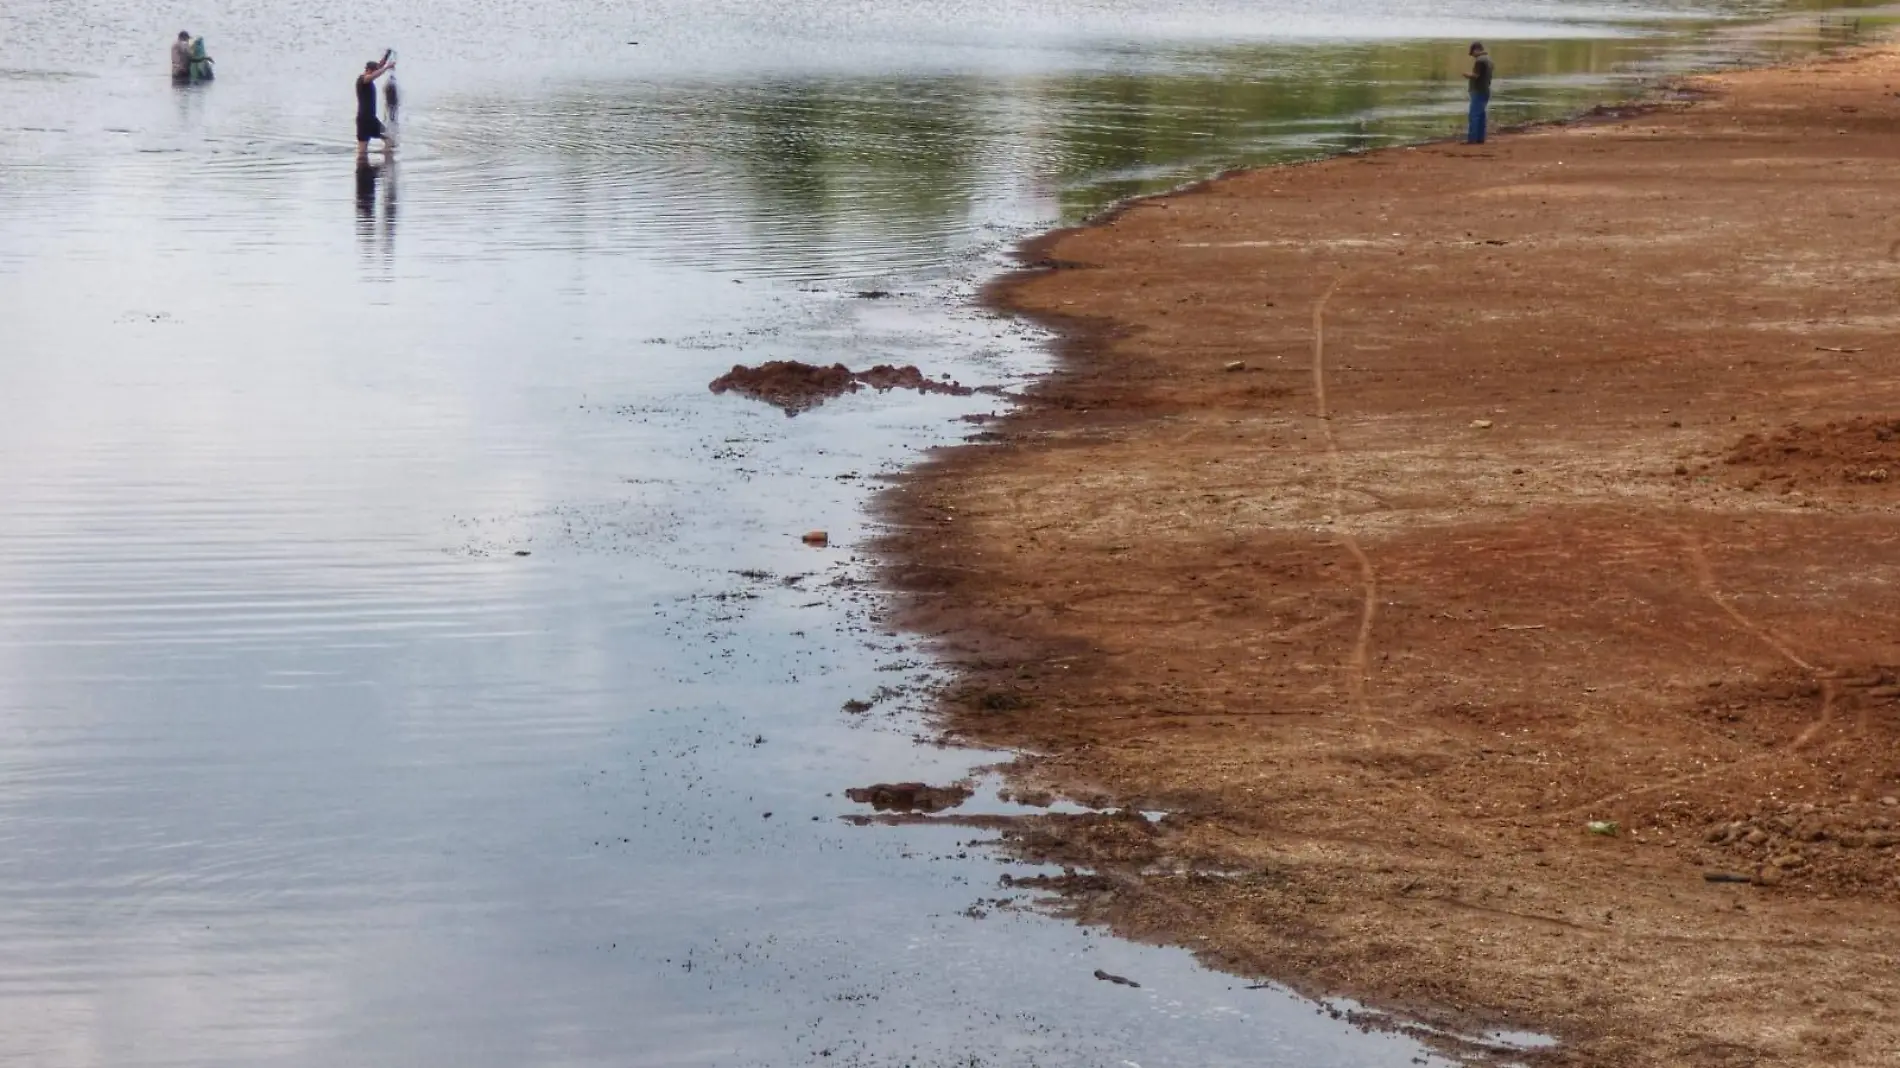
[(1607, 828)]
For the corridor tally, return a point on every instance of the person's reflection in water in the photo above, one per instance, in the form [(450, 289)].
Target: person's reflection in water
[(389, 215), (366, 176), (369, 177)]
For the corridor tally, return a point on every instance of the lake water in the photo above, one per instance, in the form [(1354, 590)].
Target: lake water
[(405, 660)]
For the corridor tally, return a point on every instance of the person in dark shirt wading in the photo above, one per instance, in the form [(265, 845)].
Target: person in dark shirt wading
[(181, 58), (367, 124), (1480, 81)]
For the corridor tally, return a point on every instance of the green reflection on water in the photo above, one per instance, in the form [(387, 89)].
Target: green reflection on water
[(825, 174), (1266, 105), (909, 158)]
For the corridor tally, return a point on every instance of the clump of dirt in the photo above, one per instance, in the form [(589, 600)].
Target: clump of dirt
[(884, 376), (908, 796), (787, 384), (1844, 847), (795, 386), (1857, 455)]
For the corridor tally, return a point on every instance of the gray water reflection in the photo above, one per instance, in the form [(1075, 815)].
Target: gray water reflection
[(302, 763)]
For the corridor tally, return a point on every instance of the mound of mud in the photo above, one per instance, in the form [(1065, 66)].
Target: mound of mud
[(1843, 845), (909, 796), (1860, 454), (797, 387)]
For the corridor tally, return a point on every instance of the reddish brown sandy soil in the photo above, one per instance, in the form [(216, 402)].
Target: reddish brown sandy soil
[(1559, 482)]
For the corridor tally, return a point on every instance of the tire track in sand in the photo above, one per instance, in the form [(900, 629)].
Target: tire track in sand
[(1360, 662), (1705, 581), (1704, 576)]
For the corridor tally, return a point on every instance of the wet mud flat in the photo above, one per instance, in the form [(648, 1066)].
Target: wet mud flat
[(1485, 559)]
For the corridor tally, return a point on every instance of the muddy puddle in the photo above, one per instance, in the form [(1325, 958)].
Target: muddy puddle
[(407, 659)]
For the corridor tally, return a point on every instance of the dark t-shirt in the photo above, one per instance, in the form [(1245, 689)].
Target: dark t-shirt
[(1481, 75), (365, 98)]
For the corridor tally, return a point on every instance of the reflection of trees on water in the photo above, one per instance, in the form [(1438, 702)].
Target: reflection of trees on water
[(1267, 104), (807, 146), (828, 158), (811, 170), (852, 175)]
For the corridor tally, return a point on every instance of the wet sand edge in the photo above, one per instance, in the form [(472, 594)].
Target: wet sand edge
[(1017, 664)]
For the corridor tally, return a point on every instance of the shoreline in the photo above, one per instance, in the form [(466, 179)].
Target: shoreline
[(1412, 833)]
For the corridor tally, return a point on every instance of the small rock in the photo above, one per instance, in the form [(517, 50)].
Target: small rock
[(817, 537), (1769, 875), (1890, 801), (521, 552), (1119, 980), (1481, 424), (1606, 828), (1755, 836), (1789, 861), (1234, 365)]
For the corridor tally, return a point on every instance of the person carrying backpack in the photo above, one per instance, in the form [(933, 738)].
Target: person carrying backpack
[(200, 63)]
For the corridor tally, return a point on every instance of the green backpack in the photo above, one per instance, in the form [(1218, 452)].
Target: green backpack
[(200, 63)]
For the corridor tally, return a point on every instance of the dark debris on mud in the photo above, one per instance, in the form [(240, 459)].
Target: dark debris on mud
[(1860, 454)]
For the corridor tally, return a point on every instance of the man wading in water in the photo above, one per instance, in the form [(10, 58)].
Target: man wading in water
[(367, 124), (181, 57), (1480, 79)]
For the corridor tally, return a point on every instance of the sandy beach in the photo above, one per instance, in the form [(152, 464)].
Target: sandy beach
[(1488, 558)]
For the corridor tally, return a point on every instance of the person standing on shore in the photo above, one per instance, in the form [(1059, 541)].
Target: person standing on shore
[(1479, 81), (367, 124)]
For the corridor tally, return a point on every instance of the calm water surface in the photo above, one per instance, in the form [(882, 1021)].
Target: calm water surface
[(304, 762)]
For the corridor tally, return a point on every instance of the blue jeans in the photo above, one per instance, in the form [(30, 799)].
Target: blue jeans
[(1474, 132)]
